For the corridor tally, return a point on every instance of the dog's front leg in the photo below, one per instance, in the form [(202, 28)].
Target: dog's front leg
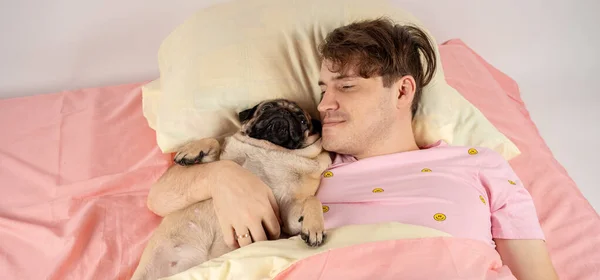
[(304, 215), (198, 151), (313, 223), (308, 208)]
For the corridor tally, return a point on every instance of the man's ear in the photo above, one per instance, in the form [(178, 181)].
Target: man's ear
[(247, 114), (316, 126), (406, 90)]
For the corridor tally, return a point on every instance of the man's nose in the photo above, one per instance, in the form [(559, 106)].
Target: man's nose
[(328, 102)]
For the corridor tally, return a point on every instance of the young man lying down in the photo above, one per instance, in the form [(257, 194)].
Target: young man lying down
[(371, 81)]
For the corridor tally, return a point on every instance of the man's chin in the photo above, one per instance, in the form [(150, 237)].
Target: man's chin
[(329, 143)]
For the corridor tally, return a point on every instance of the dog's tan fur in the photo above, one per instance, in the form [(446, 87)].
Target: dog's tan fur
[(190, 236)]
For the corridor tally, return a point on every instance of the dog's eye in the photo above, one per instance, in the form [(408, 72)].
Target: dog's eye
[(303, 121)]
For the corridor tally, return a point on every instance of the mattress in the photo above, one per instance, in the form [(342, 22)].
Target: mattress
[(76, 166)]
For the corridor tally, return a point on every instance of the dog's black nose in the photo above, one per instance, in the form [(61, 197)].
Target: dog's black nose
[(278, 125), (279, 122)]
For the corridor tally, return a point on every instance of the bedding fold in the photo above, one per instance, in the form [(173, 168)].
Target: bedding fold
[(375, 251)]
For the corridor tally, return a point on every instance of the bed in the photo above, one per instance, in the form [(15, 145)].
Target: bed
[(76, 166)]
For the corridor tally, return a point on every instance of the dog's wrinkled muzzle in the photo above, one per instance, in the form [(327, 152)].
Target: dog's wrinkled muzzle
[(280, 128), (278, 131)]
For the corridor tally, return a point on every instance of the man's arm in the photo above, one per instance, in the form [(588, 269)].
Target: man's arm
[(256, 208), (528, 259), (181, 186)]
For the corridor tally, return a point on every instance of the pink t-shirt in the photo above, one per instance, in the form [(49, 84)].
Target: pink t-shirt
[(466, 192)]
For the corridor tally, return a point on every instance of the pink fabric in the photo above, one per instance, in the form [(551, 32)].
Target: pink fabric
[(426, 258), (75, 170), (570, 224), (468, 192)]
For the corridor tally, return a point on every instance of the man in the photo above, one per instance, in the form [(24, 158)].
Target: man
[(371, 81)]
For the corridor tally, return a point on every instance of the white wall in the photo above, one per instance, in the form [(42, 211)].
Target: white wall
[(52, 45), (550, 47)]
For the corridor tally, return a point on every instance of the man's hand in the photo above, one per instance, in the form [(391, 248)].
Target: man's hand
[(527, 259), (244, 205)]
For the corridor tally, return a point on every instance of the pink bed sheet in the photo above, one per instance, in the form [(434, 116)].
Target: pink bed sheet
[(75, 168), (435, 258)]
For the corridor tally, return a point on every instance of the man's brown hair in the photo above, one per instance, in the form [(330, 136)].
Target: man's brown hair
[(382, 48)]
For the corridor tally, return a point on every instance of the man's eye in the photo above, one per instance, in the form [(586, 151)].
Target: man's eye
[(347, 87)]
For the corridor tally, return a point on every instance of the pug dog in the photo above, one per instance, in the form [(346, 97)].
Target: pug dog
[(281, 144)]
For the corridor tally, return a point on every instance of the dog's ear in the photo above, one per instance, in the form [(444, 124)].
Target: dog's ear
[(316, 126), (247, 114)]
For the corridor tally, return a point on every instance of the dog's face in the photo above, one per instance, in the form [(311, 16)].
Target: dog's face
[(281, 122)]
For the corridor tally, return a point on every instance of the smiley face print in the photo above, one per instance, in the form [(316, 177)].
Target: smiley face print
[(482, 199), (473, 151), (440, 217)]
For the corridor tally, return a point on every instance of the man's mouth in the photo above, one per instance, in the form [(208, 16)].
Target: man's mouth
[(331, 123)]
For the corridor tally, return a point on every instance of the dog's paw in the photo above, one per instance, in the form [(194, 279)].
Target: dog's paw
[(185, 159), (196, 152), (313, 231)]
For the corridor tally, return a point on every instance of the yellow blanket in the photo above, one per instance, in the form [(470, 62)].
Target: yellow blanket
[(264, 260)]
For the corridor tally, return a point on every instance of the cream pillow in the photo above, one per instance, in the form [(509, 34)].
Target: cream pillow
[(231, 56)]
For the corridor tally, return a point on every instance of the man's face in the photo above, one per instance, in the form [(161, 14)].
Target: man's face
[(356, 112)]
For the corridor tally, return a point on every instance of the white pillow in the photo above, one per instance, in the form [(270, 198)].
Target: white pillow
[(231, 56)]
